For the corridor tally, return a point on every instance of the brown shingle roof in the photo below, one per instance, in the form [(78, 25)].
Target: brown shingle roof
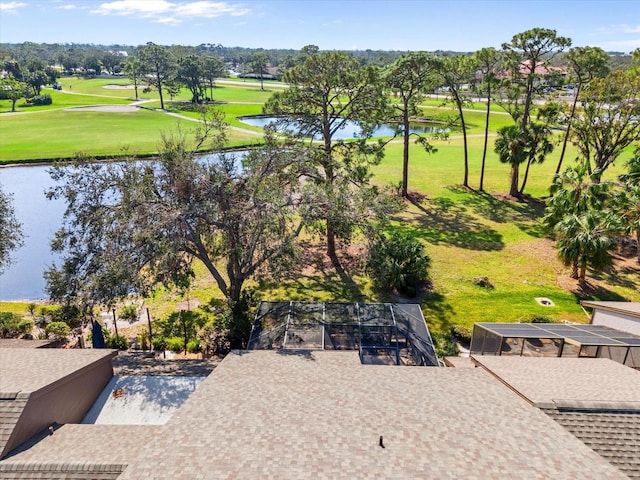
[(613, 435), (29, 370), (269, 414), (551, 382)]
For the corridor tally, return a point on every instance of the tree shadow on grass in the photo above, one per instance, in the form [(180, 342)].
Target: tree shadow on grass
[(526, 214), (316, 275), (591, 291), (443, 221), (437, 312)]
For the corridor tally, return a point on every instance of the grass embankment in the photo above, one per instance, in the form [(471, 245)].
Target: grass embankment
[(467, 233)]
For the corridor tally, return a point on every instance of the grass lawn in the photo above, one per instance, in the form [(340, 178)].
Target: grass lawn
[(467, 233)]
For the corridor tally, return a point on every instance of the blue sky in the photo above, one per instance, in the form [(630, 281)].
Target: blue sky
[(345, 25)]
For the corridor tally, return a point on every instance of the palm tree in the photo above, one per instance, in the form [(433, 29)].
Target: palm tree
[(488, 60), (585, 241), (510, 147), (538, 147), (628, 200)]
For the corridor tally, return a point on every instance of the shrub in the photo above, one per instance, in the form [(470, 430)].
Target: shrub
[(42, 100), (215, 339), (58, 330), (143, 340), (193, 346), (462, 334), (70, 314), (13, 325), (536, 318), (117, 342), (444, 345), (175, 344), (129, 313), (159, 344), (398, 263)]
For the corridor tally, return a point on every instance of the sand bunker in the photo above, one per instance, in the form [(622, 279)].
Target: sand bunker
[(119, 87), (105, 108)]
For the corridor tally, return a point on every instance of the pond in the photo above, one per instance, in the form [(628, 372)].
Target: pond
[(351, 129), (40, 219)]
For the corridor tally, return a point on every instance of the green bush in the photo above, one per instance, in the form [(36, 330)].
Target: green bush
[(129, 313), (39, 100), (69, 314), (215, 339), (175, 344), (193, 346), (462, 334), (143, 340), (117, 342), (444, 345), (58, 330), (13, 325), (398, 263), (536, 318), (159, 344)]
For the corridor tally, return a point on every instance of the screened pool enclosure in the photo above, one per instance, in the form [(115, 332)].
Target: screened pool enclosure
[(556, 340), (382, 333)]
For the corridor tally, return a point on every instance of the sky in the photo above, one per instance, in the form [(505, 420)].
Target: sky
[(613, 25)]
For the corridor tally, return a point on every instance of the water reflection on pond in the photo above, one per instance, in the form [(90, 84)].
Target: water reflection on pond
[(40, 219), (351, 129)]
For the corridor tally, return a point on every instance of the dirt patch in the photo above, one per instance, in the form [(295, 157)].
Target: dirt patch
[(150, 364), (316, 260)]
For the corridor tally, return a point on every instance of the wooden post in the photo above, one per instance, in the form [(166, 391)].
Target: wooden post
[(150, 332), (115, 322)]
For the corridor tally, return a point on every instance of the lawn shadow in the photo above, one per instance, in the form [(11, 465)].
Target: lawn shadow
[(526, 213), (437, 312), (315, 273), (590, 291), (444, 221)]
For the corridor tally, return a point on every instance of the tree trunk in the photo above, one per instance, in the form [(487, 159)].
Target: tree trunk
[(13, 104), (574, 270), (405, 155), (513, 191), (638, 244), (526, 175), (486, 139), (583, 273), (566, 134), (331, 240), (159, 81), (465, 182)]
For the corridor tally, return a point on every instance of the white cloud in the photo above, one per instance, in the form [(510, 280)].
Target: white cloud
[(144, 8), (11, 7), (165, 12), (618, 29), (68, 7), (168, 21)]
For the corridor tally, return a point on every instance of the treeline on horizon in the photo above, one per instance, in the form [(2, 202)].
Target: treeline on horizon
[(86, 53)]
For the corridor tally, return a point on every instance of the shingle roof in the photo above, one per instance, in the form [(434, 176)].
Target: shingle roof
[(20, 343), (552, 382), (26, 371), (29, 370), (597, 400), (270, 414), (95, 451), (614, 435)]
